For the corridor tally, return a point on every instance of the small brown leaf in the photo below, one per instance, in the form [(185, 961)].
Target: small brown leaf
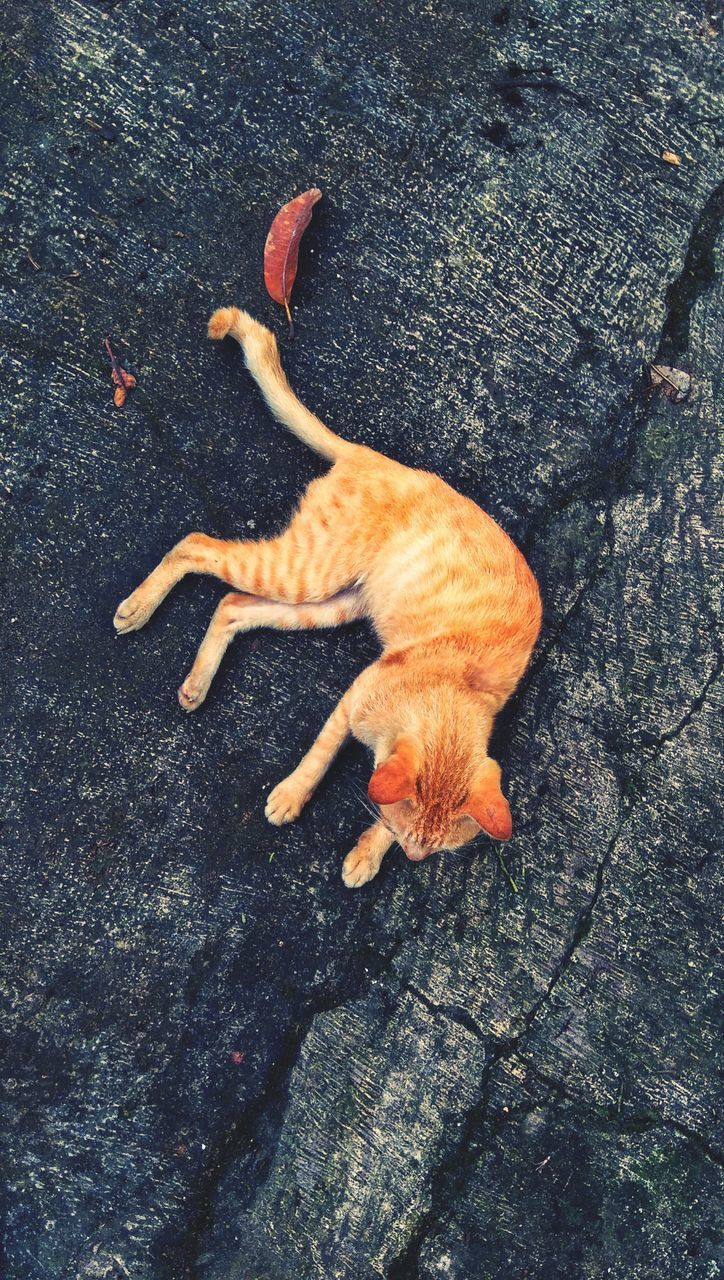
[(675, 383), (124, 381), (281, 250), (670, 157)]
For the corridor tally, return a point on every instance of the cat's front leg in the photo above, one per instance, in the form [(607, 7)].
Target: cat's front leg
[(365, 860), (287, 800)]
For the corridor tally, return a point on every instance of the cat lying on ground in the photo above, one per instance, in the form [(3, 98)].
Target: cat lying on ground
[(455, 606)]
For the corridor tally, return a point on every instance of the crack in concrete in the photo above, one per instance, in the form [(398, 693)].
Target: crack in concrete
[(675, 732), (618, 744), (631, 1122), (696, 276), (626, 419), (452, 1012), (267, 1109)]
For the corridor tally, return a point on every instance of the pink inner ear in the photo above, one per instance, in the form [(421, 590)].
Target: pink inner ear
[(490, 809), (498, 820), (395, 778)]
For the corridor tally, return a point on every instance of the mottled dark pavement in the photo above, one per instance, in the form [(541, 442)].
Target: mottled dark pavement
[(216, 1060)]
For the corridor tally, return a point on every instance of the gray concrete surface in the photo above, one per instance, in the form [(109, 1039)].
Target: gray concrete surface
[(217, 1061)]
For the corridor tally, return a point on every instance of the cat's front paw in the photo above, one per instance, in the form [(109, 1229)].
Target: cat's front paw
[(360, 866), (133, 613), (286, 801)]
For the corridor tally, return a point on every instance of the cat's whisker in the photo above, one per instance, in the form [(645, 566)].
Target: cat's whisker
[(371, 808), (366, 804)]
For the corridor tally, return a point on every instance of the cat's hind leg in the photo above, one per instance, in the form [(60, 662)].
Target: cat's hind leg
[(319, 554), (299, 565), (244, 613), (196, 553)]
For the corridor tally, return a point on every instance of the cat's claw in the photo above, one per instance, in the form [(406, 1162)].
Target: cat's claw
[(132, 614), (285, 802), (359, 868), (190, 695)]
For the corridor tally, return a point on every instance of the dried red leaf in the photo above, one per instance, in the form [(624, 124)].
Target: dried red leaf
[(281, 250), (124, 381)]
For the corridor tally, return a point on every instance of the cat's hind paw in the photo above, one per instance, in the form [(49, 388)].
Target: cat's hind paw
[(191, 694), (133, 613), (286, 801)]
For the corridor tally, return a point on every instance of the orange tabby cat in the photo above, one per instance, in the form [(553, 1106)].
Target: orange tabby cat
[(455, 606)]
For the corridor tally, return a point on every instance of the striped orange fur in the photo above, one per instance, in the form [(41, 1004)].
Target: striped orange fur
[(456, 608)]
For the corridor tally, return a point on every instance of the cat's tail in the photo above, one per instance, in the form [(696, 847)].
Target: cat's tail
[(262, 361)]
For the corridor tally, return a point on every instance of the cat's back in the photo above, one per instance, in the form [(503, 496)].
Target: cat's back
[(444, 563), (417, 512), (402, 502)]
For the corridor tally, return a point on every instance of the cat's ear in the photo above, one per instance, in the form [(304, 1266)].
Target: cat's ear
[(395, 778), (487, 804)]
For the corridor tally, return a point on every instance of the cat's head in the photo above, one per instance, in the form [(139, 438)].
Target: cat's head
[(438, 799)]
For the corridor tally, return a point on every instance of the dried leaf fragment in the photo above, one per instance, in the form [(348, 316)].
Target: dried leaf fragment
[(281, 251), (670, 157), (124, 381), (675, 383)]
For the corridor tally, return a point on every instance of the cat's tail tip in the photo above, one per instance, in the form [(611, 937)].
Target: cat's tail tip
[(230, 320)]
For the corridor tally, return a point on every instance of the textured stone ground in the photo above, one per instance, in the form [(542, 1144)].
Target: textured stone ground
[(218, 1062)]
